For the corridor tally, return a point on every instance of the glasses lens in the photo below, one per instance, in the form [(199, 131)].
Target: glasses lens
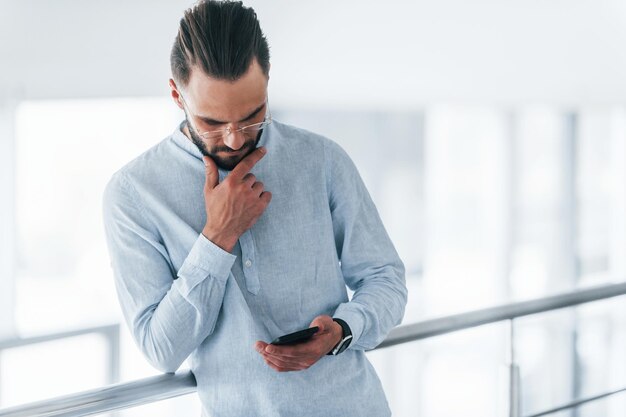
[(218, 134), (246, 130), (252, 129)]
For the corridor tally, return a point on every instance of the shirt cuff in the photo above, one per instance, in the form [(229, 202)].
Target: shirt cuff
[(204, 259), (354, 318)]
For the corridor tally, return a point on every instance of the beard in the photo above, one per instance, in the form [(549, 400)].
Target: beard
[(224, 162)]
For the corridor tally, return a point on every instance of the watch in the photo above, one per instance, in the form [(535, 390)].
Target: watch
[(346, 338)]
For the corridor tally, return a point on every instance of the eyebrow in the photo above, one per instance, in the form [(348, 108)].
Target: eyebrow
[(219, 122)]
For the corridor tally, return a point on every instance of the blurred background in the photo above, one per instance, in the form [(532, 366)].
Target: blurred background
[(491, 135)]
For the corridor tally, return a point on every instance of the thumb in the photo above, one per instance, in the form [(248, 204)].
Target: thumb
[(212, 178), (323, 322)]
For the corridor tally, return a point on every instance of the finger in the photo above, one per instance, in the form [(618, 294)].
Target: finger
[(281, 366), (323, 322), (260, 346), (308, 349), (288, 363), (258, 188), (271, 365), (212, 178), (274, 367), (249, 179), (246, 164), (266, 196)]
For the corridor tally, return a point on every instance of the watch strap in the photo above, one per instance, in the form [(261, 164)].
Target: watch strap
[(346, 338)]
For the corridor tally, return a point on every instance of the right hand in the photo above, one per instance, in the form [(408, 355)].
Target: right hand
[(233, 206)]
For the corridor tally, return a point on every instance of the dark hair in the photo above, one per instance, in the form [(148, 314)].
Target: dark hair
[(221, 38)]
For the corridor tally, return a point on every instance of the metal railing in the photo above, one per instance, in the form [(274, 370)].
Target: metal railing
[(109, 398), (162, 387)]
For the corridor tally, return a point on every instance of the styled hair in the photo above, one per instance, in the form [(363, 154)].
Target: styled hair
[(221, 38)]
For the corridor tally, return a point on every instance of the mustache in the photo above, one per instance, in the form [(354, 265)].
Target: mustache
[(248, 144)]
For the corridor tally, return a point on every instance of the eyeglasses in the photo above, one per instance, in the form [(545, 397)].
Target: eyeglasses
[(249, 130)]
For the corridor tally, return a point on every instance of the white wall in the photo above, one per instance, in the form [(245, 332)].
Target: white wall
[(390, 54)]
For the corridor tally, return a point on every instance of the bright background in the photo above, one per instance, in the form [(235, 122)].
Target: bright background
[(491, 135)]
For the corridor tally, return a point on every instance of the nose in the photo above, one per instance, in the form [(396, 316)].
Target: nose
[(234, 138)]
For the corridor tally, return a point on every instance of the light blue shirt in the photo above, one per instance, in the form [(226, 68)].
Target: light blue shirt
[(184, 297)]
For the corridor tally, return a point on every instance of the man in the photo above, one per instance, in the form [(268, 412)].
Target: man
[(238, 229)]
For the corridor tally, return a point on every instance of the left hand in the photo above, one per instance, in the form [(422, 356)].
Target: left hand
[(302, 355)]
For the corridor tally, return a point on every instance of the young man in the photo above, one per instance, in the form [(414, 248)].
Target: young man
[(237, 229)]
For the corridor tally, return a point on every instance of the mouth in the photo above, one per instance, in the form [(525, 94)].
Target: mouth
[(244, 149), (233, 154), (238, 150)]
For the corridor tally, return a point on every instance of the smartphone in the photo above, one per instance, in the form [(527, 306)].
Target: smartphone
[(296, 337)]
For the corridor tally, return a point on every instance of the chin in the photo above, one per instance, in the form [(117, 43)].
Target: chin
[(227, 163)]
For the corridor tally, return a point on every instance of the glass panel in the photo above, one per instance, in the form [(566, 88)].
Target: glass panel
[(613, 406), (544, 351), (45, 370), (600, 346), (446, 376)]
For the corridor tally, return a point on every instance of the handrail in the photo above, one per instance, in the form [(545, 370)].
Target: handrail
[(442, 325), (171, 385), (112, 397)]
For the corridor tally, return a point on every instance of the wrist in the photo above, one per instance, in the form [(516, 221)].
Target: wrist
[(345, 339), (337, 333), (221, 239)]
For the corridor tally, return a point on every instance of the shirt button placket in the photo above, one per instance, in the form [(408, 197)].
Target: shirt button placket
[(250, 271)]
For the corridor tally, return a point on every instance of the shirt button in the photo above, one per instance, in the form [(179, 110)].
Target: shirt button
[(248, 263)]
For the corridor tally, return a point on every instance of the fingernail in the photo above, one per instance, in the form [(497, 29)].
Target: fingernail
[(262, 149)]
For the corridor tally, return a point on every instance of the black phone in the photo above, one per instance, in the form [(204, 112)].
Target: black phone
[(296, 337)]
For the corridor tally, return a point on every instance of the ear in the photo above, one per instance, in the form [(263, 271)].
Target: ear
[(175, 94)]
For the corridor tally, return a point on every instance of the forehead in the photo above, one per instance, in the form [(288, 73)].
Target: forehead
[(224, 99)]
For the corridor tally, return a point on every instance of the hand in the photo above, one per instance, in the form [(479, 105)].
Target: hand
[(233, 206), (302, 355)]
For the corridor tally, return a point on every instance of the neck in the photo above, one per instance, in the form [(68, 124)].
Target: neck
[(185, 130)]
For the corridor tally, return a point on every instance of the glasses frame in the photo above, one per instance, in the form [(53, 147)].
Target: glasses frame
[(225, 132)]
